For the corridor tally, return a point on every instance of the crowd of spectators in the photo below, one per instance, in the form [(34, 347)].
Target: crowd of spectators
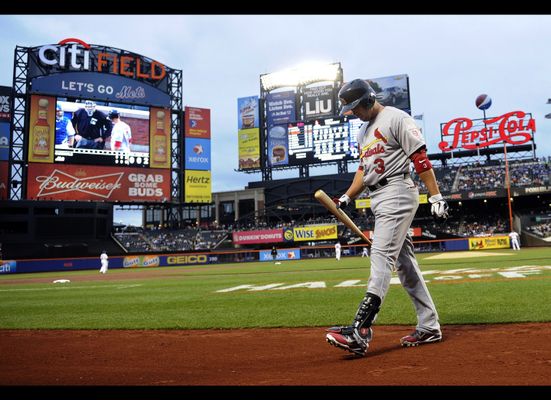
[(490, 176), (171, 239), (466, 225), (541, 230)]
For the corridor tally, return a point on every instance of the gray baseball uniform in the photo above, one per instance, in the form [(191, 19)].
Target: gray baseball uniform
[(386, 144)]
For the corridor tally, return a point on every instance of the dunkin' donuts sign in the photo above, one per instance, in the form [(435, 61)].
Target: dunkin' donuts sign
[(69, 182), (513, 128)]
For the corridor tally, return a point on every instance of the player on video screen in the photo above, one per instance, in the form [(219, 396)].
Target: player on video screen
[(121, 135), (92, 127), (64, 131)]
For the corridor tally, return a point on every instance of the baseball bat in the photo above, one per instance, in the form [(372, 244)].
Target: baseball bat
[(328, 203)]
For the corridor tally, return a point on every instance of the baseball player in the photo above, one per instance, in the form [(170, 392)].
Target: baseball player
[(104, 259), (91, 126), (121, 135), (365, 252), (389, 141), (338, 251), (514, 236)]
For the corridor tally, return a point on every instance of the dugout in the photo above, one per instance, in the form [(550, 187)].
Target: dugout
[(30, 229)]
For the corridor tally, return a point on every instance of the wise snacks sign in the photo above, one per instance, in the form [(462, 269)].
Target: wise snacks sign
[(513, 128), (315, 232)]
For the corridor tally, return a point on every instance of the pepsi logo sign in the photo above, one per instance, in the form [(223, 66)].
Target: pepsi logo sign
[(483, 102)]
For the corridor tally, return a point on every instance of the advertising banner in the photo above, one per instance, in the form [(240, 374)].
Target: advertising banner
[(8, 267), (392, 91), (159, 138), (4, 176), (247, 113), (278, 143), (282, 254), (42, 129), (492, 242), (4, 141), (197, 154), (73, 55), (512, 128), (5, 104), (363, 203), (141, 261), (95, 183), (280, 108), (249, 148), (366, 203), (98, 86), (197, 123), (197, 187), (479, 194), (315, 232), (318, 102), (260, 236)]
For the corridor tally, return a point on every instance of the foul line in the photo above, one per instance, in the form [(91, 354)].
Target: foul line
[(71, 287)]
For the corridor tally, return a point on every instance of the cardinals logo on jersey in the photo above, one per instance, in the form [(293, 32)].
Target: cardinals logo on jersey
[(380, 136)]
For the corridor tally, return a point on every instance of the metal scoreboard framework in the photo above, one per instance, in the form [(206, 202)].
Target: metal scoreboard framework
[(295, 123), (66, 77)]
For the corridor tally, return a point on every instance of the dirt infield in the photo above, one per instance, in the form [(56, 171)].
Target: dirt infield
[(508, 354)]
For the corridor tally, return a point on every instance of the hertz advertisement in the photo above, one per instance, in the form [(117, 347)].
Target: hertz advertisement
[(315, 232), (198, 187)]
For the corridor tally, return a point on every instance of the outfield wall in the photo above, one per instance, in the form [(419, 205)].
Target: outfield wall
[(194, 259)]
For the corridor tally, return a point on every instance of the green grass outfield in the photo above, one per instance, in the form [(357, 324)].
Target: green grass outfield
[(487, 288)]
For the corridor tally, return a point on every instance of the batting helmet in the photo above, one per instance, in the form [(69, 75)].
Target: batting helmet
[(114, 114), (354, 92)]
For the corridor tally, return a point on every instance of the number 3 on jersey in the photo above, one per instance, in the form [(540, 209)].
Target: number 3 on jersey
[(380, 165)]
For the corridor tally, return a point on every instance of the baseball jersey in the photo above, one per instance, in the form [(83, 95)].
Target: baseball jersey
[(514, 235), (386, 143), (121, 133), (103, 257)]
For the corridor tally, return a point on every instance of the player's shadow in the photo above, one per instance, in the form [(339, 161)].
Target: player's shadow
[(374, 353)]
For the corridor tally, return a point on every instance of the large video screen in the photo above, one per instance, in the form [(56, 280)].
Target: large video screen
[(323, 140), (88, 133)]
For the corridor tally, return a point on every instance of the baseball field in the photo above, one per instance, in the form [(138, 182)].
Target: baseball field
[(263, 324)]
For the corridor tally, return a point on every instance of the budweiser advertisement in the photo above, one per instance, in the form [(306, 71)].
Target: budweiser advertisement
[(513, 128), (70, 182)]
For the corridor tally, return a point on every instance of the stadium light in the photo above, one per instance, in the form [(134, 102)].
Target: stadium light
[(303, 74)]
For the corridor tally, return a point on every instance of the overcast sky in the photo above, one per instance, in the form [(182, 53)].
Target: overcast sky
[(450, 60)]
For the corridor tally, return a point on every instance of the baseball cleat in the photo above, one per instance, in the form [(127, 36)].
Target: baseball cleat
[(350, 339), (419, 337)]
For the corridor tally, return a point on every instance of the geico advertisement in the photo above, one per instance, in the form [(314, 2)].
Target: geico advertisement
[(197, 187), (187, 259), (316, 232), (494, 242), (282, 254), (86, 182)]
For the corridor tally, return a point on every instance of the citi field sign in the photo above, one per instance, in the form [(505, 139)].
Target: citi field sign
[(513, 128), (75, 68)]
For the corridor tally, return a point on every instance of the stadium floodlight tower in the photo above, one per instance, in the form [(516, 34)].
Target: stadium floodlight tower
[(296, 78)]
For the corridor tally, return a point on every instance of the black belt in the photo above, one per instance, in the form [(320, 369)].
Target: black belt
[(383, 182)]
